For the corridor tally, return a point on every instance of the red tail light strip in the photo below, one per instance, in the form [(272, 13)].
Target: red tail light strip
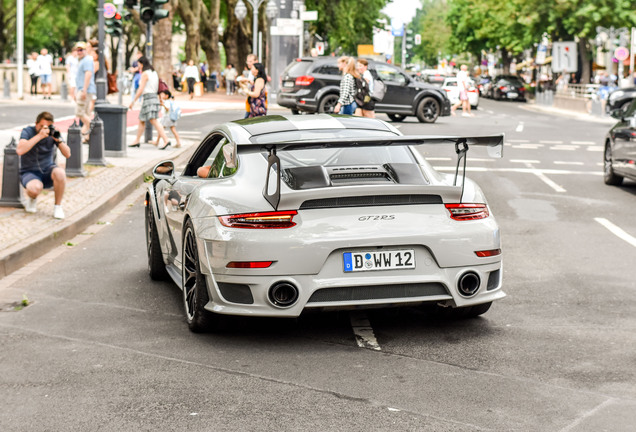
[(249, 264), (464, 212), (488, 253), (264, 220), (304, 80)]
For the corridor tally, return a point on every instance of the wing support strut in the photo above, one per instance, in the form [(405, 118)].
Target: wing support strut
[(273, 161), (461, 148)]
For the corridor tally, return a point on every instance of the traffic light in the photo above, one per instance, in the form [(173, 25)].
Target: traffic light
[(130, 4), (114, 25), (152, 10)]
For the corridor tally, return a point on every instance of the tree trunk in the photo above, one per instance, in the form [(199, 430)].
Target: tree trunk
[(236, 39), (505, 59), (210, 34), (190, 12), (586, 72), (162, 46)]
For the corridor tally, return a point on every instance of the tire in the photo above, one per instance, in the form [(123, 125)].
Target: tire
[(195, 288), (295, 111), (609, 176), (428, 110), (327, 103), (398, 118), (156, 266), (480, 309)]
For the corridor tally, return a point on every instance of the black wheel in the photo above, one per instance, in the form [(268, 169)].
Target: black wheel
[(195, 289), (327, 103), (295, 111), (609, 176), (156, 266), (397, 117), (428, 110)]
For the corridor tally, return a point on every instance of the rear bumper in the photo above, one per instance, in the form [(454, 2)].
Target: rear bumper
[(297, 101)]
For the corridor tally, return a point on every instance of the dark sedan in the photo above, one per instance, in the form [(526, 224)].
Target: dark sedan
[(620, 99), (507, 87), (620, 147)]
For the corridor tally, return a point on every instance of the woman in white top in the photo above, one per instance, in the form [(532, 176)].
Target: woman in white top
[(148, 87), (34, 72), (191, 74)]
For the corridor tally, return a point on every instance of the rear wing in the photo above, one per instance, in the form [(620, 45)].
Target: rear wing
[(493, 143)]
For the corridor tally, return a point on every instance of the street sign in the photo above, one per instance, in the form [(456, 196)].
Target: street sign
[(397, 28), (564, 57), (621, 53), (287, 27), (320, 48), (109, 10), (418, 39), (541, 54), (309, 15)]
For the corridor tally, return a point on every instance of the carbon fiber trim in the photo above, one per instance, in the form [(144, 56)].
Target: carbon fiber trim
[(377, 292), (236, 293), (371, 201), (493, 280)]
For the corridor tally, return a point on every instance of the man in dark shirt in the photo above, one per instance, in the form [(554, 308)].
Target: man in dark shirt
[(37, 150)]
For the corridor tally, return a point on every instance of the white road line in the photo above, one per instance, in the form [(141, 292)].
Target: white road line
[(528, 146), (397, 126), (524, 161), (596, 173), (439, 159), (617, 231), (519, 127), (564, 147), (550, 142), (546, 180), (363, 331), (567, 163), (584, 142), (595, 148), (490, 111), (517, 141)]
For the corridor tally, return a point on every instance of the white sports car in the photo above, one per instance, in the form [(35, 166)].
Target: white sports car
[(451, 88), (276, 215)]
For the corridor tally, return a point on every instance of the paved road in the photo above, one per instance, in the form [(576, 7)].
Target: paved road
[(103, 347)]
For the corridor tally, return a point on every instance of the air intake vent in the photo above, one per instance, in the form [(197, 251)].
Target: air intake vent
[(371, 201), (377, 292)]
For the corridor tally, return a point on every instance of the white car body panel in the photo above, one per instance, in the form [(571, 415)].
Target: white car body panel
[(452, 91)]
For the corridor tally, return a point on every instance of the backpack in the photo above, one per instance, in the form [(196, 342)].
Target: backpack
[(162, 86), (379, 89), (174, 112), (362, 92)]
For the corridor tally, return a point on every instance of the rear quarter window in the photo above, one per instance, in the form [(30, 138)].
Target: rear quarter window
[(298, 68)]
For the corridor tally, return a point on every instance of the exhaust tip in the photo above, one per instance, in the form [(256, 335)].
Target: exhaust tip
[(283, 294), (468, 284)]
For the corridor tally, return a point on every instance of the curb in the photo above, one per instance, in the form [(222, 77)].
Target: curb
[(34, 247)]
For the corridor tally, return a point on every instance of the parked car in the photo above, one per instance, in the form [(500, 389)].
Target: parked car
[(508, 87), (620, 147), (277, 215), (483, 85), (620, 99), (312, 85), (434, 76), (451, 88)]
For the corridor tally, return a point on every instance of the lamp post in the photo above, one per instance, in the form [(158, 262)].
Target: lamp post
[(241, 12)]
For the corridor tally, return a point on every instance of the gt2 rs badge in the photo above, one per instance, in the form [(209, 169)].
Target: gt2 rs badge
[(376, 218)]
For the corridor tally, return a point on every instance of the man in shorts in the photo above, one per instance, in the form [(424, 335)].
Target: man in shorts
[(85, 82), (45, 62), (37, 149)]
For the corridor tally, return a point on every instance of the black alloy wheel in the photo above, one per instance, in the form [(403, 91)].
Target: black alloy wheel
[(428, 110), (609, 176), (328, 103), (195, 289), (156, 266), (398, 118)]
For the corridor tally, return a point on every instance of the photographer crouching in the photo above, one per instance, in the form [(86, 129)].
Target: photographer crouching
[(37, 150)]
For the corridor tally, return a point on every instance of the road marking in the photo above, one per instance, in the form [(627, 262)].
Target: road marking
[(525, 161), (596, 173), (564, 147), (618, 232), (365, 338), (519, 127), (587, 415), (550, 142), (546, 180), (528, 146), (490, 111), (584, 142), (595, 148), (439, 159), (567, 163), (518, 141)]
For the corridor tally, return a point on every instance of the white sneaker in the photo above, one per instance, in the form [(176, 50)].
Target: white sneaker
[(31, 205), (58, 213)]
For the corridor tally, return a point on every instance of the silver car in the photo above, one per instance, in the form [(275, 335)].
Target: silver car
[(277, 215)]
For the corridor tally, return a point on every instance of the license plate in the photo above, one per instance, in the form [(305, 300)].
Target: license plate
[(513, 95), (288, 84), (378, 260)]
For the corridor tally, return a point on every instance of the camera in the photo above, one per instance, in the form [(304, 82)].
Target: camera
[(54, 132)]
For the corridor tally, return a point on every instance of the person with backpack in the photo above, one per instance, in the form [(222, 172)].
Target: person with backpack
[(366, 104), (148, 91), (346, 101), (171, 114)]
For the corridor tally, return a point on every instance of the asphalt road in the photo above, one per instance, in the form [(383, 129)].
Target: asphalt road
[(103, 347)]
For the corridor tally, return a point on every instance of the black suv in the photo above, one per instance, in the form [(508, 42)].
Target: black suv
[(312, 85)]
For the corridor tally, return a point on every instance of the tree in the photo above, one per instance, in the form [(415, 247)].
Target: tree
[(210, 19), (190, 13), (236, 37), (430, 23), (162, 44)]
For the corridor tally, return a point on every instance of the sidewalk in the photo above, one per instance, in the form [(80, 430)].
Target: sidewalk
[(25, 237)]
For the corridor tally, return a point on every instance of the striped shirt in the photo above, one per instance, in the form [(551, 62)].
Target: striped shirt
[(347, 90)]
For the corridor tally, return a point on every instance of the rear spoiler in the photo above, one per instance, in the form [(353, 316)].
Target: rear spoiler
[(493, 143)]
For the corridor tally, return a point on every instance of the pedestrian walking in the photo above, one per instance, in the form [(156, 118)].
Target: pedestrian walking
[(247, 79), (37, 149), (463, 83), (230, 75), (86, 90), (34, 72), (45, 62), (367, 106), (191, 74), (148, 88), (256, 92), (72, 63), (170, 115), (346, 101)]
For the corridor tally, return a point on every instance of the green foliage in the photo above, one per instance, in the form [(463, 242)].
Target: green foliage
[(345, 24), (430, 23)]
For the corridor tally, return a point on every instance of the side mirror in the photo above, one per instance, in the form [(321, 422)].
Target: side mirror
[(164, 170)]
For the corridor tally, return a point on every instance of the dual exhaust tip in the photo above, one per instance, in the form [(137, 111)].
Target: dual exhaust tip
[(283, 294), (468, 284)]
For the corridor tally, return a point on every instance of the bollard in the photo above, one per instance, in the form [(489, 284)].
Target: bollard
[(114, 118), (11, 191), (96, 143), (7, 89), (64, 91), (148, 132), (74, 167)]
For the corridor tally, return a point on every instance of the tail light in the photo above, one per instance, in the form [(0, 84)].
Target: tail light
[(264, 220), (249, 264), (503, 88), (488, 253), (464, 212), (304, 80), (522, 89)]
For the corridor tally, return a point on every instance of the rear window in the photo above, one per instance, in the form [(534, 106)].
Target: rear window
[(318, 134), (327, 70), (298, 68)]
